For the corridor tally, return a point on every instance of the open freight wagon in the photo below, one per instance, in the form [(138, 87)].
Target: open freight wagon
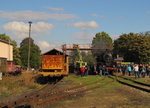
[(54, 63)]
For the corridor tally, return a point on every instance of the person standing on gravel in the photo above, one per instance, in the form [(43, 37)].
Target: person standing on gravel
[(129, 70), (148, 70), (82, 69), (86, 70), (100, 70), (143, 71), (136, 71)]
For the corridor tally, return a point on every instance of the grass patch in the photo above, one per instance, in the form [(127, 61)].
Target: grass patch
[(78, 80), (85, 79), (142, 80), (14, 85)]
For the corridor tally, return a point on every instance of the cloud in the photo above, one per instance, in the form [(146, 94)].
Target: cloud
[(85, 25), (42, 27), (30, 15), (21, 29), (83, 36), (55, 9), (16, 26), (99, 16), (24, 27), (45, 46)]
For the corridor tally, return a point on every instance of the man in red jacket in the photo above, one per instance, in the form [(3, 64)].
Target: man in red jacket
[(82, 69)]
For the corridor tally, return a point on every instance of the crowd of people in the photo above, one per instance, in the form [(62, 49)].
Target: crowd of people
[(130, 70), (138, 70), (93, 70)]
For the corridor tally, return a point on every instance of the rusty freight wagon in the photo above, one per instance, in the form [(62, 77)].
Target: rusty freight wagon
[(54, 63)]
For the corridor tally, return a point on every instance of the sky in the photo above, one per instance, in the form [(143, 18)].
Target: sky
[(57, 22)]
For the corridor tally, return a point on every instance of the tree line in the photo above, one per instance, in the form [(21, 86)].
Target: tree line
[(20, 54), (133, 47)]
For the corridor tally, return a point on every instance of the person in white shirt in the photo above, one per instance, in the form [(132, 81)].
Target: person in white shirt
[(136, 71)]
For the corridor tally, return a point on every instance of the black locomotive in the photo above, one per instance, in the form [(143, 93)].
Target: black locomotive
[(105, 58)]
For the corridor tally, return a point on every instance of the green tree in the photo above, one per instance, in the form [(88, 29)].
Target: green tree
[(133, 47), (35, 57), (78, 55), (5, 37), (147, 33), (102, 41), (89, 58), (16, 55)]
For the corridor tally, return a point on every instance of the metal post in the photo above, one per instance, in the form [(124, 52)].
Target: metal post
[(29, 45)]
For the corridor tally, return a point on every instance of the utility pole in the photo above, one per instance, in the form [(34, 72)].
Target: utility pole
[(29, 45)]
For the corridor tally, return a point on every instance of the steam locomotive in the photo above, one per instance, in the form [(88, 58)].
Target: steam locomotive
[(105, 58)]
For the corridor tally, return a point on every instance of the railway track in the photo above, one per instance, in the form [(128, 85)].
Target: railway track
[(41, 96), (28, 96), (64, 93), (52, 95), (61, 94), (132, 83)]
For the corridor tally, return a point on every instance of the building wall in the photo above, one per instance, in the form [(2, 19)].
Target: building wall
[(6, 51)]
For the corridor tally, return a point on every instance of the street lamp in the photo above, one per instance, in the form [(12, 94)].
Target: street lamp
[(29, 45)]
